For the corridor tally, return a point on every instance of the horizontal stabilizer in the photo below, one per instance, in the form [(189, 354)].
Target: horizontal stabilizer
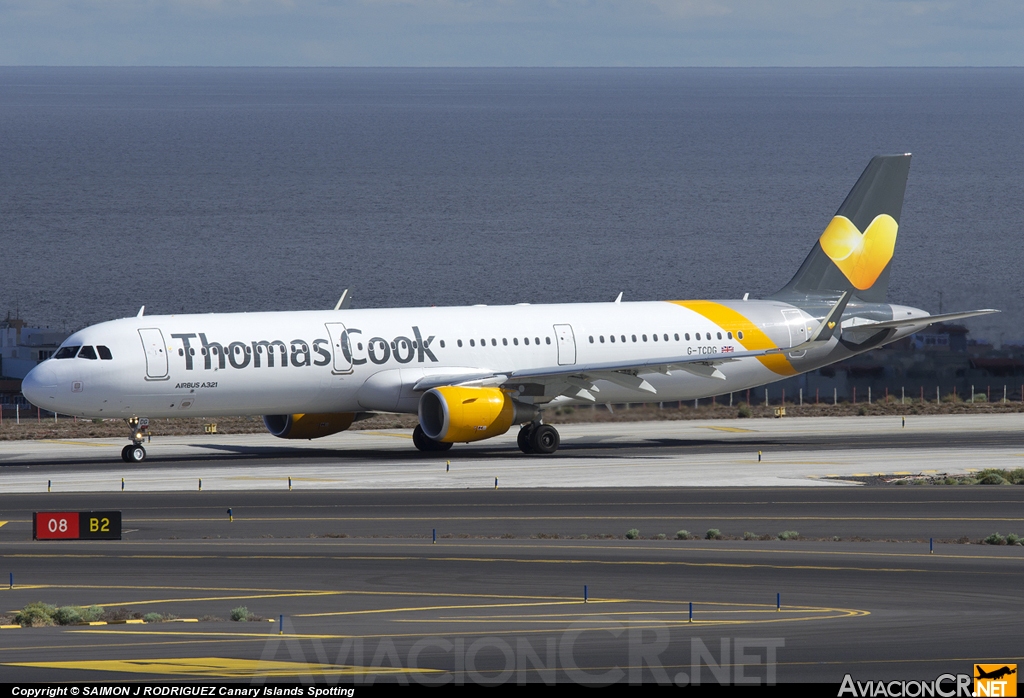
[(925, 320), (862, 332)]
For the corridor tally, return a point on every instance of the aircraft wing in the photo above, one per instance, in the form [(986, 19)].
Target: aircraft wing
[(578, 380)]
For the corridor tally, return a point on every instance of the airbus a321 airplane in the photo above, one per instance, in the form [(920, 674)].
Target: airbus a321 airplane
[(471, 373)]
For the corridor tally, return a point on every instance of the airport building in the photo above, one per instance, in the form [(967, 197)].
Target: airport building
[(21, 349)]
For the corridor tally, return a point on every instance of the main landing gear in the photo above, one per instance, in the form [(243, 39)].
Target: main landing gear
[(427, 444), (538, 438), (134, 452)]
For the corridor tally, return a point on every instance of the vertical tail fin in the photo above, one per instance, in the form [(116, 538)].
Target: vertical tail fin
[(855, 251)]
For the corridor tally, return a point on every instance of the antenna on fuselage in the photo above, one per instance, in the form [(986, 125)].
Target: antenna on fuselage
[(345, 301), (142, 311), (618, 298)]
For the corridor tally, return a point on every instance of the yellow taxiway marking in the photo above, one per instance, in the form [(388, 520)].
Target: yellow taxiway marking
[(2, 523), (733, 429), (226, 598), (565, 602), (218, 667)]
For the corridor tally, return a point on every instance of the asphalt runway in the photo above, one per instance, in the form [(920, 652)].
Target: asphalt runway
[(499, 599), (794, 452)]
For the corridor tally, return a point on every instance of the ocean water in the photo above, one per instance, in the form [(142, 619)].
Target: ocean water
[(214, 190)]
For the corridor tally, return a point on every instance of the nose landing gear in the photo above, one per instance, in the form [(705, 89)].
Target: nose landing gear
[(538, 438), (134, 452)]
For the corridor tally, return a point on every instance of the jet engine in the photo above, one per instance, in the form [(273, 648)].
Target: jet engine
[(307, 426), (458, 414)]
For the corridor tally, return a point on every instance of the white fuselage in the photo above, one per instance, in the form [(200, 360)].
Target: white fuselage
[(370, 359)]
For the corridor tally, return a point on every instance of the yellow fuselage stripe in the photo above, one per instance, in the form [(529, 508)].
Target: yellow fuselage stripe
[(754, 338)]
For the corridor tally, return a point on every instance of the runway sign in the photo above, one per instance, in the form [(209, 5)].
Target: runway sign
[(76, 525)]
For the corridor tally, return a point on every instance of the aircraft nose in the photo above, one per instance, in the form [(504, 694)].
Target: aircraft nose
[(39, 386)]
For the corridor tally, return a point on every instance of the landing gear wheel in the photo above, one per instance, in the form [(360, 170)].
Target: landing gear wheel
[(124, 453), (135, 454), (544, 439), (524, 439), (427, 444)]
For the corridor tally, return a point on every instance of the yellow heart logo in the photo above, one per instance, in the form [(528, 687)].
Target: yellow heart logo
[(832, 325), (861, 257)]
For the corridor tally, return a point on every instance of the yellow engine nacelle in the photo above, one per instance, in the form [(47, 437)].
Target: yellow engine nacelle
[(307, 426), (456, 414)]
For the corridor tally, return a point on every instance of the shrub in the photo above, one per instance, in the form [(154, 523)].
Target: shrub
[(660, 536), (240, 613), (862, 410), (713, 534), (1013, 539), (789, 535), (992, 479), (683, 535), (633, 533), (749, 535), (1015, 477), (995, 539), (35, 615), (744, 412), (153, 618), (67, 615)]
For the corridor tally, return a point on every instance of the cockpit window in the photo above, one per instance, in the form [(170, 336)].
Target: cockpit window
[(87, 353), (104, 352), (67, 352)]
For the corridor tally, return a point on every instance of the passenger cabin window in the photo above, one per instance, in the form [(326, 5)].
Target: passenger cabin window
[(740, 335), (87, 353), (472, 342), (504, 341), (687, 336), (729, 335), (460, 342), (548, 340), (67, 352)]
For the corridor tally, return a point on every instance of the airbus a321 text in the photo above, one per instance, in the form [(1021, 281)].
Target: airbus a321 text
[(472, 373)]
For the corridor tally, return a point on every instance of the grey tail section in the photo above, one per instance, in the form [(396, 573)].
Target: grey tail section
[(879, 191)]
